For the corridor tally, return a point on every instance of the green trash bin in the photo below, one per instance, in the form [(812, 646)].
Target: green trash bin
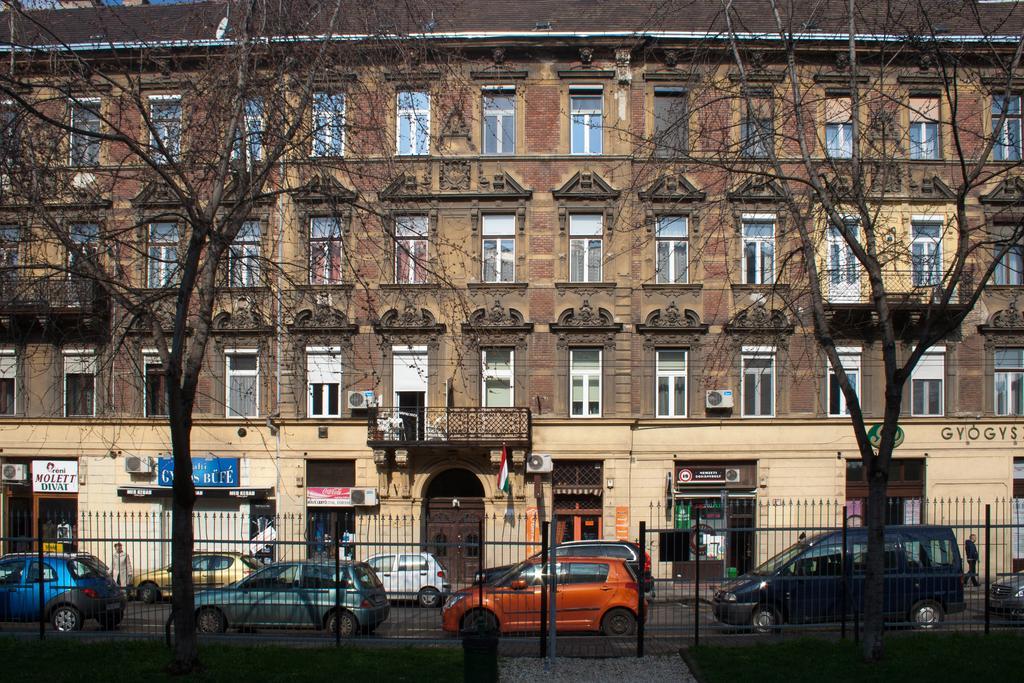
[(732, 573)]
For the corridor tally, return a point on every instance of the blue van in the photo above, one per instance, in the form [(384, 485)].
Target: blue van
[(75, 588), (804, 583)]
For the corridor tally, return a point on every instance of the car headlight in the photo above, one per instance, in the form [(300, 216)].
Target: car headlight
[(724, 596), (454, 600), (1020, 593)]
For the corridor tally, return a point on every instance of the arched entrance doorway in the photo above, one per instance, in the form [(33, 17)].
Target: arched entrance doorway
[(453, 507)]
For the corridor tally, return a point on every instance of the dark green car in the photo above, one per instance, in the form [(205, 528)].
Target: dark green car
[(297, 595)]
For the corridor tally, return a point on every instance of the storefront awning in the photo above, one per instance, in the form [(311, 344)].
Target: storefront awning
[(223, 493)]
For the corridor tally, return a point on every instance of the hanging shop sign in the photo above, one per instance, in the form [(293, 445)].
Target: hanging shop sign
[(206, 472), (55, 476)]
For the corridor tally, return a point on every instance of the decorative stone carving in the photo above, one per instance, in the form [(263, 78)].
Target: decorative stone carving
[(756, 190), (322, 188), (498, 56), (1008, 191), (586, 185), (156, 193), (671, 188), (586, 316), (454, 175), (930, 187), (407, 186), (322, 318), (759, 319), (244, 318), (886, 176), (409, 321), (1008, 318), (586, 56), (497, 316), (671, 317), (671, 58), (756, 60), (502, 184), (455, 126), (842, 60)]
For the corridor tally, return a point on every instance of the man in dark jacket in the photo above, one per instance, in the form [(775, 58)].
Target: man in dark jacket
[(971, 552)]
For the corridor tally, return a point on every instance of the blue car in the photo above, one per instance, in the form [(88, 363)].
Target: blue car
[(75, 588)]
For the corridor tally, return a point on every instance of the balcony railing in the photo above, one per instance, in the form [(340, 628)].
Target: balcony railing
[(447, 426), (907, 287), (36, 295)]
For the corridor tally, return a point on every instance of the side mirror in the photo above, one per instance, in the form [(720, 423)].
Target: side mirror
[(519, 584)]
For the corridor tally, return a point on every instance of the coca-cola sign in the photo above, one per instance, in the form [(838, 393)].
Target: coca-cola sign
[(55, 476), (329, 496)]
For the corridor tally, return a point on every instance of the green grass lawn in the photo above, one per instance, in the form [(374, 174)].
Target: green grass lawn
[(926, 657), (137, 661)]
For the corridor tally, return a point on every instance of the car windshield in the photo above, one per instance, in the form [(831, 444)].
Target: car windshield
[(781, 560), (251, 562), (366, 576)]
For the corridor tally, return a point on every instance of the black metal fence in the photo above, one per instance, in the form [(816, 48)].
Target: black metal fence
[(723, 570)]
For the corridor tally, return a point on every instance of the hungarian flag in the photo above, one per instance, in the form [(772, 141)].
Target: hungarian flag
[(504, 481)]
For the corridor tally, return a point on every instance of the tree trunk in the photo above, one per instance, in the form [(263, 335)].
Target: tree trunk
[(186, 652), (874, 579)]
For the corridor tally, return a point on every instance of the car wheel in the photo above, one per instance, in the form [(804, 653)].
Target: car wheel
[(926, 614), (66, 618), (478, 620), (109, 622), (429, 597), (149, 593), (618, 622), (764, 619), (210, 620), (347, 624)]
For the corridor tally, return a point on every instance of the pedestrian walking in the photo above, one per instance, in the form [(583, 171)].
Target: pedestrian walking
[(121, 566), (971, 553)]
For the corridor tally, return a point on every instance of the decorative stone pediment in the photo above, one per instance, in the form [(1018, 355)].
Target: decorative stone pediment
[(456, 183), (410, 320), (1007, 321), (760, 320), (322, 318), (672, 188), (243, 319), (502, 185), (672, 320), (586, 185), (156, 193), (323, 189), (405, 187), (586, 318), (757, 190), (930, 187), (1009, 191), (497, 317)]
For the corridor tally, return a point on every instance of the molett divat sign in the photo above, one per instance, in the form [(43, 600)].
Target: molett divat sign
[(206, 472)]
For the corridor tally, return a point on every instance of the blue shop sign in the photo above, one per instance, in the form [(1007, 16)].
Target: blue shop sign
[(206, 472)]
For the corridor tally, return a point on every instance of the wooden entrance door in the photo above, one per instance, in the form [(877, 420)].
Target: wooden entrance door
[(453, 536)]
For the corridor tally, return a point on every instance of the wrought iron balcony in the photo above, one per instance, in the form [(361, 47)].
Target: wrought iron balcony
[(448, 427), (49, 295), (913, 288)]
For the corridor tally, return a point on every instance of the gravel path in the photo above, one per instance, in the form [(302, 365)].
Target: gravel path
[(594, 670)]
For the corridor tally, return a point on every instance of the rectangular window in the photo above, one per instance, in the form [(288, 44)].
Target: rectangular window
[(249, 138), (499, 105), (758, 382), (926, 383), (671, 389), (1009, 381), (1010, 269), (839, 128), (926, 253), (1006, 111), (10, 131), (10, 242), (410, 249), (8, 379), (325, 250), (586, 112), (413, 123), (924, 128), (585, 247), (242, 383), (499, 248), (757, 130), (328, 124), (156, 386), (758, 250), (85, 239), (324, 375), (163, 255), (84, 143), (850, 358), (671, 119), (497, 388), (165, 122), (672, 250), (244, 256), (585, 382), (79, 384)]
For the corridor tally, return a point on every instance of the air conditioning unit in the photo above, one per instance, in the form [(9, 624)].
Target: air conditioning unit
[(361, 400), (138, 464), (732, 475), (15, 473), (539, 463), (364, 496), (718, 398)]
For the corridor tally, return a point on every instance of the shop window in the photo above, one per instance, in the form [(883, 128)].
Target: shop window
[(905, 492)]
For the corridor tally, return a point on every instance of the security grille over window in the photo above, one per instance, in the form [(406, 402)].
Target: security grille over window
[(584, 478)]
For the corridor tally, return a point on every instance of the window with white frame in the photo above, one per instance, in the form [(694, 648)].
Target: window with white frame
[(926, 383), (671, 382), (155, 384), (325, 250), (1010, 269), (10, 246), (162, 259), (758, 381), (328, 124), (924, 127), (586, 247), (413, 134), (244, 256), (243, 379), (84, 142), (849, 357), (758, 250), (672, 249), (1009, 381), (499, 247), (585, 382), (250, 133), (410, 249), (839, 128), (757, 129), (323, 376), (79, 383), (926, 252), (499, 134), (586, 116), (8, 381), (165, 124), (1006, 128), (497, 378)]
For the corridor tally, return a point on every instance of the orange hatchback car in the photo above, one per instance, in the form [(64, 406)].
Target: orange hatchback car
[(594, 594)]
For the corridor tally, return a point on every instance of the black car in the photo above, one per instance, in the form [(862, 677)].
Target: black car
[(626, 550)]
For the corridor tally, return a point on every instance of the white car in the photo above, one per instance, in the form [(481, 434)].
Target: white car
[(413, 576)]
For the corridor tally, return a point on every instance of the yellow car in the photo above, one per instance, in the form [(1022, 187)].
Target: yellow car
[(209, 570)]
